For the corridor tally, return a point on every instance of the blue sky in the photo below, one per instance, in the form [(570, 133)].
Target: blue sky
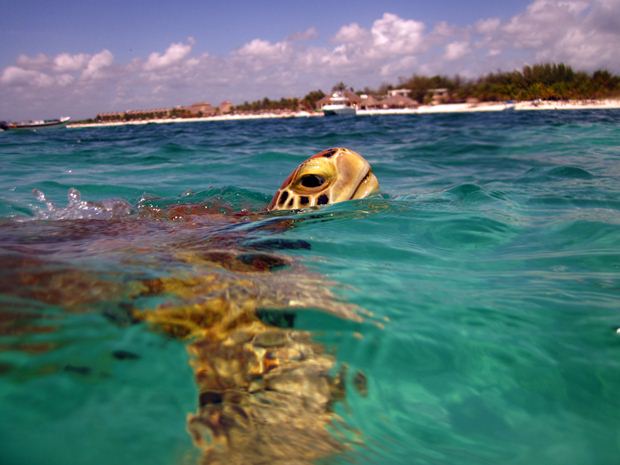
[(83, 57), (135, 28)]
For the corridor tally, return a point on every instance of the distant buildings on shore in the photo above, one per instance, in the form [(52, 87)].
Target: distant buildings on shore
[(394, 99), (194, 110)]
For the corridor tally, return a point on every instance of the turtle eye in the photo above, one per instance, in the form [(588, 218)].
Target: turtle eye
[(312, 180)]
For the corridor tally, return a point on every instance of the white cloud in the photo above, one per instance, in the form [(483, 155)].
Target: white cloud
[(604, 17), (308, 34), (487, 26), (350, 33), (389, 36), (395, 68), (64, 80), (16, 76), (386, 49), (42, 72), (264, 49), (576, 32), (394, 34), (97, 64), (444, 29), (66, 62), (574, 6), (35, 62), (541, 24), (173, 55), (456, 50)]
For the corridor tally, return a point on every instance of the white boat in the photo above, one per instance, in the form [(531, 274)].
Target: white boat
[(35, 124), (338, 104)]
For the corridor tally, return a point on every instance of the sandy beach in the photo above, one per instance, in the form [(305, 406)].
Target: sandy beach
[(421, 110), (608, 104), (232, 117), (498, 106)]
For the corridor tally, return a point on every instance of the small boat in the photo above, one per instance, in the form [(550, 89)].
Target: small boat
[(509, 105), (34, 124), (339, 105)]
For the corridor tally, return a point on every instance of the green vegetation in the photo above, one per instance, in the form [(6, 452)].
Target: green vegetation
[(310, 100), (307, 103), (180, 113), (266, 104), (545, 82)]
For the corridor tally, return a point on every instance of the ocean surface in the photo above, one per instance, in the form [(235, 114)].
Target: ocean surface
[(486, 275)]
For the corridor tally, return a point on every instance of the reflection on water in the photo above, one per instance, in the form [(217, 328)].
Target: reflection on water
[(266, 390)]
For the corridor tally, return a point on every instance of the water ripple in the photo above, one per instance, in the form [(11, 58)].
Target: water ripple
[(489, 264)]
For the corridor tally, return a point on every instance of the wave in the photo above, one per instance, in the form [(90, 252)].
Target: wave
[(226, 199)]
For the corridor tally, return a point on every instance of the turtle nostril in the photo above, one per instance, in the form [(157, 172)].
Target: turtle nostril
[(283, 198), (312, 180)]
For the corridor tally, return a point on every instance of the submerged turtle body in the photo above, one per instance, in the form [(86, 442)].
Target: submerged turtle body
[(266, 392), (266, 389)]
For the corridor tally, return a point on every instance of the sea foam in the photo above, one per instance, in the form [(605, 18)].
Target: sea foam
[(78, 209)]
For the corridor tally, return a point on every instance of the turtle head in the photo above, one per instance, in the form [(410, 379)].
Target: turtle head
[(331, 176)]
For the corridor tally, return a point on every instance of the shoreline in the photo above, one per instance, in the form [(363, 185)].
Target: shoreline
[(607, 104)]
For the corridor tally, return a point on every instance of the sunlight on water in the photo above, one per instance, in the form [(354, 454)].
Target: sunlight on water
[(152, 311)]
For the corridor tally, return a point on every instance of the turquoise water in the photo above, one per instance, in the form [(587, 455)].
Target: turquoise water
[(491, 260)]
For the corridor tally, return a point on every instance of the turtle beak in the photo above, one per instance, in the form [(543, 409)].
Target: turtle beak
[(367, 186), (355, 177)]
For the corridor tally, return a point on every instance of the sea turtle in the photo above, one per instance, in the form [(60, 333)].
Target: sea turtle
[(266, 389)]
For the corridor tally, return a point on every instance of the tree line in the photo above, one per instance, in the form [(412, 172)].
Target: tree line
[(307, 103), (549, 81)]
